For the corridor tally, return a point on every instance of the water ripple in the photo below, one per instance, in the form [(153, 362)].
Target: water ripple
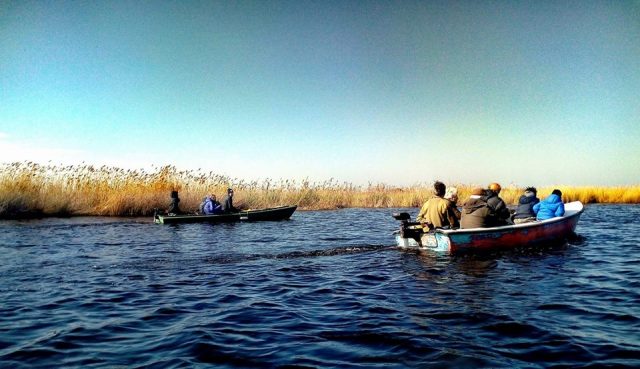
[(326, 289)]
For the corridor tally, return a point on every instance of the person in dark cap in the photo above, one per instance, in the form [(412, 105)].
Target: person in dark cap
[(227, 204), (476, 213), (524, 212)]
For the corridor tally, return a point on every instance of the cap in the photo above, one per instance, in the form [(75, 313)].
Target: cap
[(477, 191)]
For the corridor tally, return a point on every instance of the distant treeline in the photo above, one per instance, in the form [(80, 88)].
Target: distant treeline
[(29, 189)]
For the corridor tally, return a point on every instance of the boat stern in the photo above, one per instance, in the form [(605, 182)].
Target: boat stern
[(436, 241), (405, 242)]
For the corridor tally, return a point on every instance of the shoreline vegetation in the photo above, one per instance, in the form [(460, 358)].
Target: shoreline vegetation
[(31, 190)]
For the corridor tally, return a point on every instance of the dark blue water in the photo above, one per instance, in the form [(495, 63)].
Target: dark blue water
[(325, 289)]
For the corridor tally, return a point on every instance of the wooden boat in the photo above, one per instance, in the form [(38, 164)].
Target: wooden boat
[(278, 213), (551, 231)]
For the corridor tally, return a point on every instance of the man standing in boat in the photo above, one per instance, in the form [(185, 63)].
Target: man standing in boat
[(498, 206), (227, 204), (438, 212)]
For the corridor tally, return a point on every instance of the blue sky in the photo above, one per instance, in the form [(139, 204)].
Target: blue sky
[(402, 92)]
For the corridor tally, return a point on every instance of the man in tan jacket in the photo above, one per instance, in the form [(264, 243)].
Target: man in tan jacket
[(438, 212)]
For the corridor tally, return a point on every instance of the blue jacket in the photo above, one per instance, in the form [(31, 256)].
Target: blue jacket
[(549, 208), (211, 207)]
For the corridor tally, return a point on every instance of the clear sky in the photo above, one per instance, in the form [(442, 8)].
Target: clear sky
[(400, 92)]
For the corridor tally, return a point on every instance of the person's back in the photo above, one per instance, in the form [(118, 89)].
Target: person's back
[(550, 207), (500, 209), (476, 213), (434, 212), (524, 212), (437, 212)]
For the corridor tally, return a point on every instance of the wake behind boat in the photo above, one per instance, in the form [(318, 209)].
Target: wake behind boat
[(550, 231), (269, 214)]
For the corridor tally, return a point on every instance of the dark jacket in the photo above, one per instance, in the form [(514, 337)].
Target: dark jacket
[(525, 206), (173, 207), (227, 205), (549, 208), (500, 209), (476, 213)]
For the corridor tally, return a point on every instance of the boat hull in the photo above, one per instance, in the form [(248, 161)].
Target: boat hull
[(547, 232), (270, 214)]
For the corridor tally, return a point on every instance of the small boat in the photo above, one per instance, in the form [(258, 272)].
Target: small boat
[(278, 213), (550, 231)]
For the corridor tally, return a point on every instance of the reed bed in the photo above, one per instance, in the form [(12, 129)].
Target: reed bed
[(29, 189)]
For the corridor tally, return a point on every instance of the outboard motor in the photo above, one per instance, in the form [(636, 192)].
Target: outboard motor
[(401, 216), (407, 228)]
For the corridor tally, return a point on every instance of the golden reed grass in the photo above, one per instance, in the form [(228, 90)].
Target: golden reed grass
[(30, 189)]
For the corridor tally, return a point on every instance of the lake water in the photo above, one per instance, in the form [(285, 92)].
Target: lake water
[(325, 289)]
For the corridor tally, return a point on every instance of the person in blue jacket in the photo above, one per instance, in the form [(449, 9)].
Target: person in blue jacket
[(211, 206), (550, 207)]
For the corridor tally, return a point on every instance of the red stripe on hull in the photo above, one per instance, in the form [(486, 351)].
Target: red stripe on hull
[(537, 233)]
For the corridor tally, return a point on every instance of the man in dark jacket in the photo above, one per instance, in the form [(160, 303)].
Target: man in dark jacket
[(500, 209), (524, 211), (476, 213), (227, 204)]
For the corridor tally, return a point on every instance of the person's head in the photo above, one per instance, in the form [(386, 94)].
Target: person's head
[(532, 190), (174, 194), (230, 191), (213, 197), (451, 194), (495, 187), (557, 192), (439, 188)]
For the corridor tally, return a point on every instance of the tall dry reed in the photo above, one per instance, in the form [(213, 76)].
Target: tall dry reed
[(30, 189)]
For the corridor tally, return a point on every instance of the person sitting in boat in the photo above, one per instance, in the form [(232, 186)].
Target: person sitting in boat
[(524, 212), (210, 206), (227, 204), (452, 195), (550, 207), (476, 212), (437, 211), (174, 208), (500, 209)]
